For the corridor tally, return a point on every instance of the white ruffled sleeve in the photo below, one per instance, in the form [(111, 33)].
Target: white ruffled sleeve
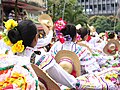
[(56, 72), (61, 76)]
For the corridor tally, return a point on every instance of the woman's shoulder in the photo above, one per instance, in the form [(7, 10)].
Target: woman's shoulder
[(20, 68), (7, 60), (57, 43), (85, 46)]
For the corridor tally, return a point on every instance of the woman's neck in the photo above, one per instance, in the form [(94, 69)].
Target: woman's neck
[(27, 52)]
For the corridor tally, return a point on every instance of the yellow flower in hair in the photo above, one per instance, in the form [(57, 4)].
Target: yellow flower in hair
[(18, 47), (10, 24), (7, 41)]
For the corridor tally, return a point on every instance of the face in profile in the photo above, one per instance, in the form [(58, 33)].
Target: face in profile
[(85, 37)]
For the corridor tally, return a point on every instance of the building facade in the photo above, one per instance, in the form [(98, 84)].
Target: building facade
[(21, 10), (100, 7)]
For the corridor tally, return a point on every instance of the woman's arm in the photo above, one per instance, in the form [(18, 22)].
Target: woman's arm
[(56, 72), (61, 76)]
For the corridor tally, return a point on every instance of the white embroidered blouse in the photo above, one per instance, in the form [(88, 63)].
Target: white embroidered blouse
[(87, 61)]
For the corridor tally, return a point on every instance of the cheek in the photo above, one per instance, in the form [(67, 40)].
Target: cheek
[(37, 39), (86, 37)]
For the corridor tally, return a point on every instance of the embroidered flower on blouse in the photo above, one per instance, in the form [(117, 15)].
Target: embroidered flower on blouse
[(112, 77), (16, 79), (18, 47), (60, 24), (10, 24)]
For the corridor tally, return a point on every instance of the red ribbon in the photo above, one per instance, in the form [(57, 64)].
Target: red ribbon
[(73, 73), (88, 39), (61, 38), (110, 51)]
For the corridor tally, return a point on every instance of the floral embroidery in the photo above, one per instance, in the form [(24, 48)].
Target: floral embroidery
[(111, 77), (15, 79)]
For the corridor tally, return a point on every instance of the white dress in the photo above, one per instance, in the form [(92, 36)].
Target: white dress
[(87, 61), (3, 47), (47, 63), (98, 53), (14, 68)]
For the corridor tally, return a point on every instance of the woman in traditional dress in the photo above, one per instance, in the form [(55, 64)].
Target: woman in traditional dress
[(24, 38), (67, 41)]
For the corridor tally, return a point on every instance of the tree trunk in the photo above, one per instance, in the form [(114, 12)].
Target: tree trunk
[(16, 18)]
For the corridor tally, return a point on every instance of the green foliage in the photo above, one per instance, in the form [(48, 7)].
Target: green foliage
[(117, 28), (103, 23), (73, 12)]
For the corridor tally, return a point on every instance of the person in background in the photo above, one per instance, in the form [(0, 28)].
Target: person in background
[(47, 24), (67, 41), (24, 38), (11, 15)]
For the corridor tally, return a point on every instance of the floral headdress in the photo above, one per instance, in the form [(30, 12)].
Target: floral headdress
[(59, 25), (9, 25)]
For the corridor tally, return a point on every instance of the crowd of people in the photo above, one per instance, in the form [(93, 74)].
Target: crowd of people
[(79, 58)]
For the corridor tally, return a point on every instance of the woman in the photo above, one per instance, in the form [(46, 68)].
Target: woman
[(27, 32), (18, 73), (67, 37)]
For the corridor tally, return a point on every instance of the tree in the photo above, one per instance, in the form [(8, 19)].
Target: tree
[(16, 2), (103, 23), (72, 12), (117, 27)]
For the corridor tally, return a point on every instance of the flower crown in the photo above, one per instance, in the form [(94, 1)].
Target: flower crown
[(59, 25), (9, 25)]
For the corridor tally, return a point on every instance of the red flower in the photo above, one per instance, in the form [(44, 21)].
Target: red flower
[(60, 24), (61, 38)]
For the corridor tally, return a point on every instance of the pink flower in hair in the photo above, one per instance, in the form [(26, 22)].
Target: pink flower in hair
[(60, 24)]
